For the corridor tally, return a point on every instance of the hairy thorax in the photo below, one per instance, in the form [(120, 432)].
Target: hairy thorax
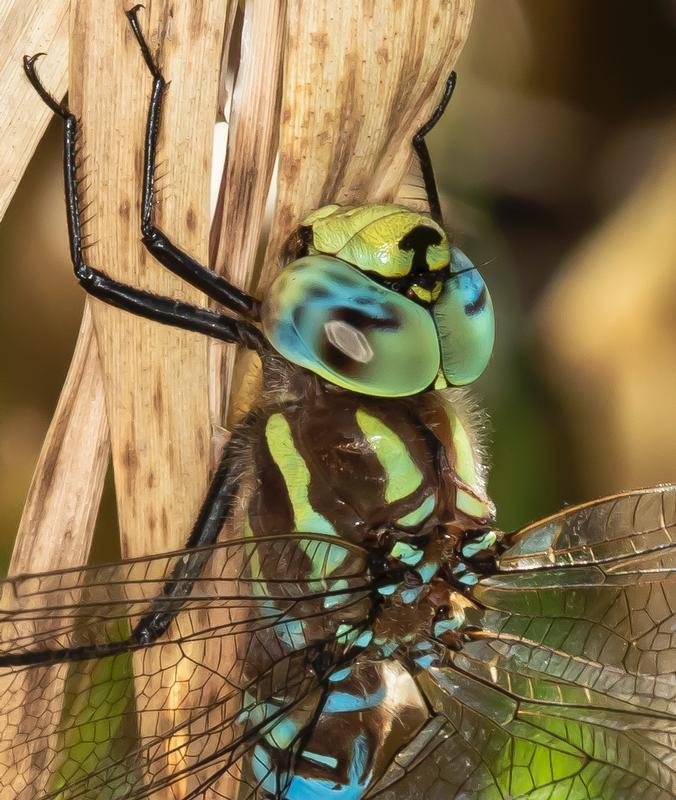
[(353, 466)]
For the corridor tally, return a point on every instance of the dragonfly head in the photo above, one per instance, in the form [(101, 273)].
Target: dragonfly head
[(376, 301)]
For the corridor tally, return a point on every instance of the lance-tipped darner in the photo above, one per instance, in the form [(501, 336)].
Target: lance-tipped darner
[(368, 634)]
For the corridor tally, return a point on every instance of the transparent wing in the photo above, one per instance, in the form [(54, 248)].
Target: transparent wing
[(567, 687), (434, 766), (103, 716)]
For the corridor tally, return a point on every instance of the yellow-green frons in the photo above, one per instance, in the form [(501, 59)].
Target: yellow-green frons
[(370, 237)]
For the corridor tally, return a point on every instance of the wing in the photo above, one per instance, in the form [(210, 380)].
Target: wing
[(434, 765), (89, 712), (567, 685)]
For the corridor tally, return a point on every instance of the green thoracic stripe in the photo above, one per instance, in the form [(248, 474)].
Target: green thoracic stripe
[(324, 558), (296, 476), (402, 475), (418, 514)]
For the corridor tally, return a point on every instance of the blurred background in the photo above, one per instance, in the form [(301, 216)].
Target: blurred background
[(557, 164)]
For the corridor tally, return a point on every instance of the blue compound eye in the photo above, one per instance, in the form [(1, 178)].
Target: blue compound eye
[(328, 317), (465, 322)]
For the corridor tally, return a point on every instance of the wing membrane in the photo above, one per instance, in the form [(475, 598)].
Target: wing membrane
[(86, 606), (530, 749), (607, 626), (434, 766), (567, 685), (174, 716), (608, 530)]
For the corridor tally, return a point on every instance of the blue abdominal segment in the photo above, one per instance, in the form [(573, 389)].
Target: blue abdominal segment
[(302, 788)]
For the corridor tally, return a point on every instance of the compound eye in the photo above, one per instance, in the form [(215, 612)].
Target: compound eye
[(465, 322), (328, 317)]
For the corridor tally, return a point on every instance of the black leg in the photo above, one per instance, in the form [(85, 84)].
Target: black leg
[(161, 247), (172, 312), (420, 147), (98, 284)]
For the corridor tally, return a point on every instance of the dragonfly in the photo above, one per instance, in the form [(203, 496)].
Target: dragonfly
[(365, 631)]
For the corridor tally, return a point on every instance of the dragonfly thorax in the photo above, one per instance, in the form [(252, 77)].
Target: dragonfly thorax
[(423, 592)]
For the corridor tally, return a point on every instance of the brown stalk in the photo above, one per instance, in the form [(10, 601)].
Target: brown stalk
[(155, 377), (27, 26), (252, 147), (360, 78)]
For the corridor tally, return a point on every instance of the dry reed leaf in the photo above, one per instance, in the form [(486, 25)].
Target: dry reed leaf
[(252, 147), (60, 512), (27, 27), (360, 78), (155, 377)]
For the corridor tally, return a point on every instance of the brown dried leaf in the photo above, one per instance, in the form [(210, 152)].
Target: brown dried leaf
[(27, 27)]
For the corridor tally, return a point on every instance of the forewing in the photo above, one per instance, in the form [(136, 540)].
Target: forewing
[(566, 687), (588, 596), (100, 719), (607, 531), (434, 766)]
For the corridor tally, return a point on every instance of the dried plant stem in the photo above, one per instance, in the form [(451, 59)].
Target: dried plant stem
[(155, 377), (252, 147), (360, 78), (59, 515), (27, 26)]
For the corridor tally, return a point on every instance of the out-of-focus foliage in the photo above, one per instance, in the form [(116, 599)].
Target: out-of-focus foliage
[(554, 160)]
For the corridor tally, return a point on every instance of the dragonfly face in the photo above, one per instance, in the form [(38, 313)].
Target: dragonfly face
[(380, 303), (366, 633)]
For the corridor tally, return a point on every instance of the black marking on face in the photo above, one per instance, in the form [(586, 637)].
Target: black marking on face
[(305, 239), (476, 306), (426, 280), (418, 239)]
